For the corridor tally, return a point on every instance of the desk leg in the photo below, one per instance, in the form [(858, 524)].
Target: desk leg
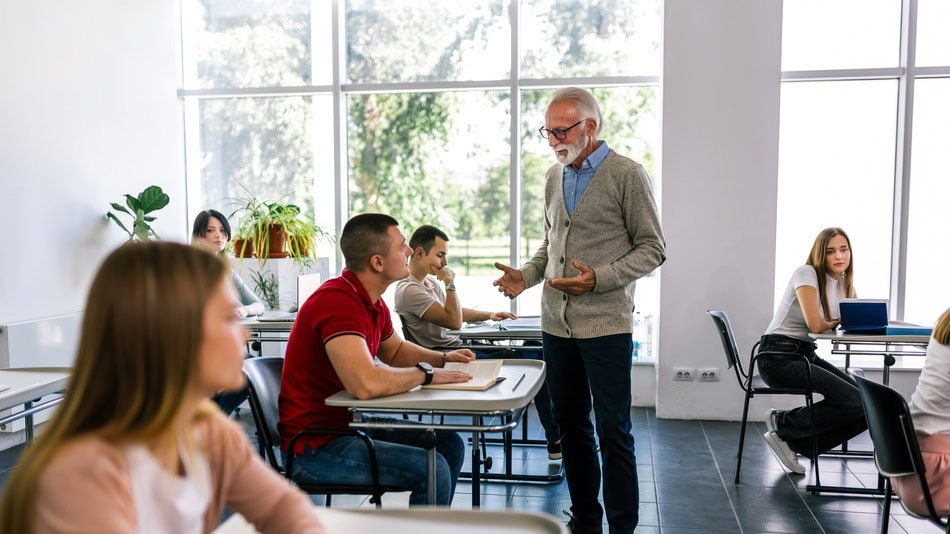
[(476, 472), (28, 422)]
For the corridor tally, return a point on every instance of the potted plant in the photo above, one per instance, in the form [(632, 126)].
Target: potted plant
[(150, 200), (274, 229)]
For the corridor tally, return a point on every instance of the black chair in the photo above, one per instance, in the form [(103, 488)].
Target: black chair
[(753, 384), (896, 450), (263, 379)]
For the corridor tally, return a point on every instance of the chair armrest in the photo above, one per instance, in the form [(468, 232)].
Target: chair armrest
[(367, 441)]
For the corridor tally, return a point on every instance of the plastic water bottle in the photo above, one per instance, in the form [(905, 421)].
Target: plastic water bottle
[(646, 343), (637, 327)]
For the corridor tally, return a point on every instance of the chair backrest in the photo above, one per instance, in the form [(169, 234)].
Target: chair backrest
[(896, 451), (725, 335), (263, 380), (406, 334)]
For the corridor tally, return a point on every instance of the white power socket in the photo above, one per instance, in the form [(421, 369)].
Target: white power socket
[(685, 374), (708, 375)]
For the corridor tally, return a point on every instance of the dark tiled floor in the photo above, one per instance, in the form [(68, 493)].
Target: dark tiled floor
[(686, 473)]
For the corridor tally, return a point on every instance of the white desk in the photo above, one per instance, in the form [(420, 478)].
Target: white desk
[(881, 345), (887, 347), (26, 386), (520, 329), (420, 520), (266, 331), (525, 328), (507, 400)]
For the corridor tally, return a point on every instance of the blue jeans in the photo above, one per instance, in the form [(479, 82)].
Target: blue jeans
[(228, 401), (576, 370), (401, 462), (542, 400), (839, 416)]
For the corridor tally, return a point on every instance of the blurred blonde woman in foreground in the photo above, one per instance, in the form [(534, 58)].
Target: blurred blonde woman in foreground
[(930, 411), (136, 446)]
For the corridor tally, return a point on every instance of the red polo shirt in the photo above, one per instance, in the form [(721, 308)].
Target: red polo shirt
[(341, 306)]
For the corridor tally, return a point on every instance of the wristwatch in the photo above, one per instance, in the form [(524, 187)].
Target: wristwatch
[(427, 369), (450, 287)]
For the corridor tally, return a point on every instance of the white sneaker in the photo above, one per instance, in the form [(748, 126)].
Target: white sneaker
[(784, 454), (771, 419)]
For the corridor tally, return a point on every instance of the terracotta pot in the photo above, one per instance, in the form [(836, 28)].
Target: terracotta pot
[(276, 238), (248, 248)]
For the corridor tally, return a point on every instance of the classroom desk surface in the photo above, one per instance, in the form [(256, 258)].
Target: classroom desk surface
[(522, 329), (421, 520), (507, 401), (871, 339), (26, 385)]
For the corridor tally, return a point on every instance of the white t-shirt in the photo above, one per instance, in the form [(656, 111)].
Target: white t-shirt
[(412, 299), (165, 502), (930, 403), (789, 320)]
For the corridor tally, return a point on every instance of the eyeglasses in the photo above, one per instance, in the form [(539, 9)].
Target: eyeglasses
[(558, 133)]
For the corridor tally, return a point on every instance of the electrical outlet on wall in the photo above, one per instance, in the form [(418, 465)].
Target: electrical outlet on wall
[(685, 374), (710, 374)]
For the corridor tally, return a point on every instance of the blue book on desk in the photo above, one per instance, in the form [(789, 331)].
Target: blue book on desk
[(908, 330)]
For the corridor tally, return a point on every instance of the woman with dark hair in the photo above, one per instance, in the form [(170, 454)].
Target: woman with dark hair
[(212, 231), (930, 411), (135, 445), (810, 305)]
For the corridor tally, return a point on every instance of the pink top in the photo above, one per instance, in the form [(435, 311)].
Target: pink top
[(88, 487)]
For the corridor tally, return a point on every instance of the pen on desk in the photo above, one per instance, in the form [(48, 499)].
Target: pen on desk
[(518, 383)]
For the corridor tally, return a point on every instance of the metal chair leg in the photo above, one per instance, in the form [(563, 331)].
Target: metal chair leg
[(742, 428)]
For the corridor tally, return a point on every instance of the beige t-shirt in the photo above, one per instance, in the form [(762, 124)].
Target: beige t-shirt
[(413, 298)]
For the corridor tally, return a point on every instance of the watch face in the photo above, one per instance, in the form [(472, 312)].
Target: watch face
[(424, 366)]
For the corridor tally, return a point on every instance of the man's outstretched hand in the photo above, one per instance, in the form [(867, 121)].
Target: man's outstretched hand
[(511, 283)]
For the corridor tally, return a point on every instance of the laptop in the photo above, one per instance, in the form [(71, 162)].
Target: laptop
[(306, 285), (869, 316), (863, 316)]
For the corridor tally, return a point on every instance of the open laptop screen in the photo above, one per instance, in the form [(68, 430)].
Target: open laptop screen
[(863, 315)]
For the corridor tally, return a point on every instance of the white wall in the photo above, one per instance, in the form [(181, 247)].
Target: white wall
[(88, 112), (721, 75)]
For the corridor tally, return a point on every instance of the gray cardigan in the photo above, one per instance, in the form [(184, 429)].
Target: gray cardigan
[(614, 229)]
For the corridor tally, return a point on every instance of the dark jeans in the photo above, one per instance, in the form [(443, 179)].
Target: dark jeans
[(401, 462), (228, 401), (542, 401), (838, 417), (576, 370)]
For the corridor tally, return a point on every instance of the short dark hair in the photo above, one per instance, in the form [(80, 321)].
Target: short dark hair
[(363, 236), (424, 237), (201, 223)]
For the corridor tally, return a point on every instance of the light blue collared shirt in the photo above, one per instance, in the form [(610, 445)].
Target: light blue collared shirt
[(575, 183)]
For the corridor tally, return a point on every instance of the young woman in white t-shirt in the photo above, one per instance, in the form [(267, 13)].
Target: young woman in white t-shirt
[(810, 305)]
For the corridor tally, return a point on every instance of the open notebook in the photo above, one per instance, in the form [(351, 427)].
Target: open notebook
[(484, 375)]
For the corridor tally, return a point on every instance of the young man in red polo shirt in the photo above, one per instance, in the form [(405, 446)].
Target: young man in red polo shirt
[(338, 331)]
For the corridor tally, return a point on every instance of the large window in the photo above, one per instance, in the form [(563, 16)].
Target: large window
[(424, 109), (863, 145)]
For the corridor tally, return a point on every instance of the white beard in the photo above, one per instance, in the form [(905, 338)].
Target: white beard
[(573, 151)]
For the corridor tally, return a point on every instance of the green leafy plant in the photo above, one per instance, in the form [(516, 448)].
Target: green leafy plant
[(264, 223), (267, 287), (150, 200)]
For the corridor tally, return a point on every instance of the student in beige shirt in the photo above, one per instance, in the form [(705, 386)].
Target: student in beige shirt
[(136, 446)]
